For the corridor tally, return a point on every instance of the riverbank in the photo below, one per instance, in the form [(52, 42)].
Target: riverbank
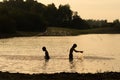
[(58, 31), (61, 76)]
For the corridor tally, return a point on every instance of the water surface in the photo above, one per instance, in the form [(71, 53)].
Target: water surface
[(25, 55)]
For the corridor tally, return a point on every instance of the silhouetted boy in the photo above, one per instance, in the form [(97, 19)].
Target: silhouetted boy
[(46, 53), (71, 52)]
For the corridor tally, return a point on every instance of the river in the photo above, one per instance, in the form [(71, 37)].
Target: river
[(25, 55)]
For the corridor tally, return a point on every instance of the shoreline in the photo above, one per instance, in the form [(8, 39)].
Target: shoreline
[(60, 76), (5, 36), (58, 31)]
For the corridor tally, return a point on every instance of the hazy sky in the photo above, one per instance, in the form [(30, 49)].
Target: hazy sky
[(91, 9)]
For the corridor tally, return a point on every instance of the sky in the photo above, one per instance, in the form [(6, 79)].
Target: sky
[(91, 9)]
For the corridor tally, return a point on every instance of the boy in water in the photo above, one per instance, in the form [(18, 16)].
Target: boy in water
[(47, 57), (71, 52)]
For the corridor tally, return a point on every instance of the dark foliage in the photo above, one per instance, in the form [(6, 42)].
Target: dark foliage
[(29, 15), (21, 16)]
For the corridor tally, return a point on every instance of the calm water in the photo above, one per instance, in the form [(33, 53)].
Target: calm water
[(25, 55)]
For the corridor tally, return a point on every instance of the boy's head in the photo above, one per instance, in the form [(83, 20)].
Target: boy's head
[(44, 48), (74, 45)]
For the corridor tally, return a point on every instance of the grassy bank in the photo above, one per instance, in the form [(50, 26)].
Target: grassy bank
[(61, 76), (74, 32), (57, 31)]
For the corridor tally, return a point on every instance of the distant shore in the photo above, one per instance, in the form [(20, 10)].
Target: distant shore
[(61, 76), (58, 31)]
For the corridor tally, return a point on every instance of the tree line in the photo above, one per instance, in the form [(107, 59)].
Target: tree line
[(29, 15), (102, 23)]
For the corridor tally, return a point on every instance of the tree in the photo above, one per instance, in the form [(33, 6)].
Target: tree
[(30, 1), (97, 23), (51, 14), (64, 13), (7, 24), (78, 22), (116, 23), (19, 1)]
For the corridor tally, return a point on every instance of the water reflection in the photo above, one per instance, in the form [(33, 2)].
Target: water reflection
[(75, 62), (98, 57), (72, 65), (23, 54), (45, 64), (22, 57)]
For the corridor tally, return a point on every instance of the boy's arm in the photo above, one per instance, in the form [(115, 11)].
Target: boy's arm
[(78, 51)]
